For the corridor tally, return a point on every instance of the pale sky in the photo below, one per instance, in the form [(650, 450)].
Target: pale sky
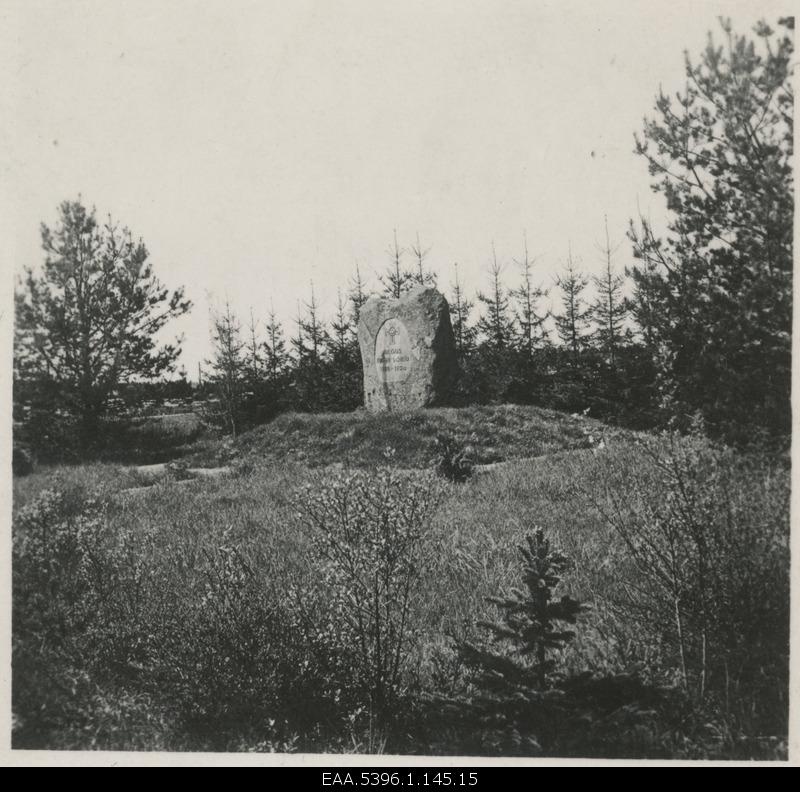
[(257, 145)]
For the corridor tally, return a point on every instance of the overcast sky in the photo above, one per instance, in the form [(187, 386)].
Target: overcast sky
[(255, 146)]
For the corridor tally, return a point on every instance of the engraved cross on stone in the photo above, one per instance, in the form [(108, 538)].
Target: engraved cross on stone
[(392, 332)]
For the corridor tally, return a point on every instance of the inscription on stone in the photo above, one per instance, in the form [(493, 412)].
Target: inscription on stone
[(392, 352)]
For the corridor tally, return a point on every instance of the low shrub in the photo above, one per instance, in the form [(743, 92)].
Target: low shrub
[(453, 462), (368, 542), (56, 563), (707, 538), (233, 658), (22, 460), (194, 643)]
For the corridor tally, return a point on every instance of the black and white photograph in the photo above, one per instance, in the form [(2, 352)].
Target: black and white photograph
[(397, 387)]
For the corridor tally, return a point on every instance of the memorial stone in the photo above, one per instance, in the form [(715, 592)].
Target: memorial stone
[(407, 351)]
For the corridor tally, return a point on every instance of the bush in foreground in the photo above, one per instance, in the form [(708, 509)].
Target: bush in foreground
[(367, 535), (706, 533), (134, 639)]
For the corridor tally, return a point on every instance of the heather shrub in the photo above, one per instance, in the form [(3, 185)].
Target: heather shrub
[(55, 564)]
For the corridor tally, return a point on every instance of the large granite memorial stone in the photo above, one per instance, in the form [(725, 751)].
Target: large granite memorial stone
[(407, 350)]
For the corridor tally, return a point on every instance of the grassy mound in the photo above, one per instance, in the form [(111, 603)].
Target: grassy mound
[(359, 439)]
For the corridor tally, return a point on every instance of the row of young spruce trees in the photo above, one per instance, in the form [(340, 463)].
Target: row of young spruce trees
[(510, 347)]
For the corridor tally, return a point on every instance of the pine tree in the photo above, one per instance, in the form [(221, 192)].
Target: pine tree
[(357, 296), (228, 366), (609, 310), (395, 279), (573, 323), (495, 325), (716, 285), (423, 276), (314, 330), (463, 333), (527, 297), (254, 361), (90, 319), (529, 627), (277, 358)]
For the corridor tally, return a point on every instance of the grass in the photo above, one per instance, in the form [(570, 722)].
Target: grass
[(170, 428), (157, 438), (187, 537), (102, 479)]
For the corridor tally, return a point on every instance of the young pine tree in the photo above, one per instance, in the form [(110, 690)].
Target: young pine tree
[(644, 306), (357, 296), (298, 340), (423, 276), (530, 627), (395, 279), (314, 330), (254, 359), (300, 363), (342, 330), (495, 325), (609, 310), (275, 355), (310, 347), (460, 309), (228, 367), (527, 296), (514, 701), (572, 324), (344, 359)]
